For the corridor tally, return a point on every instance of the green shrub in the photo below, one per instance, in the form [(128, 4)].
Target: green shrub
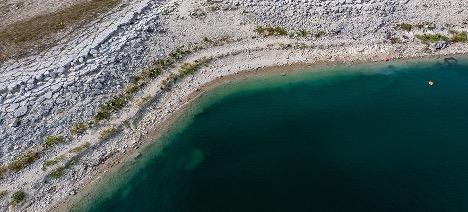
[(432, 38), (179, 53), (3, 170), (135, 79), (60, 171), (190, 68), (163, 62), (187, 68), (80, 148), (102, 114), (131, 89), (395, 40), (405, 26), (117, 102), (151, 73), (206, 39), (107, 133), (303, 33), (51, 141), (320, 34), (56, 174), (78, 128), (48, 163), (52, 162), (18, 197), (270, 31), (458, 37), (278, 31), (3, 194), (23, 160), (259, 30), (169, 81), (105, 109)]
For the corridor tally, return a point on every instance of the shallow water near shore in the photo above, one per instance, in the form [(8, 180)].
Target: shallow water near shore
[(348, 138)]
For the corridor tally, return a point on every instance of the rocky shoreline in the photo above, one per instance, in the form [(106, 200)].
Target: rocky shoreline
[(46, 95)]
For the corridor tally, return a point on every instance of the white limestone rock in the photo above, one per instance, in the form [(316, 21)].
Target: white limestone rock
[(21, 111)]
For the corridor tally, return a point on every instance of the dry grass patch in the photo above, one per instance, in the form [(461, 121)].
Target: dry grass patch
[(405, 26), (18, 39), (78, 128), (56, 174), (143, 101), (3, 170), (107, 133), (23, 160), (3, 194), (459, 37), (80, 148), (52, 162), (432, 38), (51, 141), (271, 31), (185, 70), (320, 34)]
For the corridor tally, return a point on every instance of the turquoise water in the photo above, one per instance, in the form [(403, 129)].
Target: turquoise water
[(359, 138)]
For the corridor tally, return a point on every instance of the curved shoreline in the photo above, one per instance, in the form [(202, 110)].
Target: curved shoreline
[(123, 162), (61, 91), (109, 168)]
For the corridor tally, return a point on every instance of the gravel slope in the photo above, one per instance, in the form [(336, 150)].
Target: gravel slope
[(48, 93)]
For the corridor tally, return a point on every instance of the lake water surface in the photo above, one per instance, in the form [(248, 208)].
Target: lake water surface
[(359, 138)]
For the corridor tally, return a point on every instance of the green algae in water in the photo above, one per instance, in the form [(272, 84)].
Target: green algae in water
[(348, 138)]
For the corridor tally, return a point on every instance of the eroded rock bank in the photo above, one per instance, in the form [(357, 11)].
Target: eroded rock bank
[(93, 97)]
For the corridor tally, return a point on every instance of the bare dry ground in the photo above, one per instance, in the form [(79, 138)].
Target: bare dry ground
[(12, 11), (28, 26)]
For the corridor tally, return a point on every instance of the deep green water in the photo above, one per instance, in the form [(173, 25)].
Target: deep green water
[(360, 138)]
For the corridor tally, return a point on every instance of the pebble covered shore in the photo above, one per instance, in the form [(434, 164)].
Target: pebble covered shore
[(49, 93)]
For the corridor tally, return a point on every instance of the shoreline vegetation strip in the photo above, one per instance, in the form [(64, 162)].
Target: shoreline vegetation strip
[(453, 36), (108, 108), (143, 78), (140, 80)]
